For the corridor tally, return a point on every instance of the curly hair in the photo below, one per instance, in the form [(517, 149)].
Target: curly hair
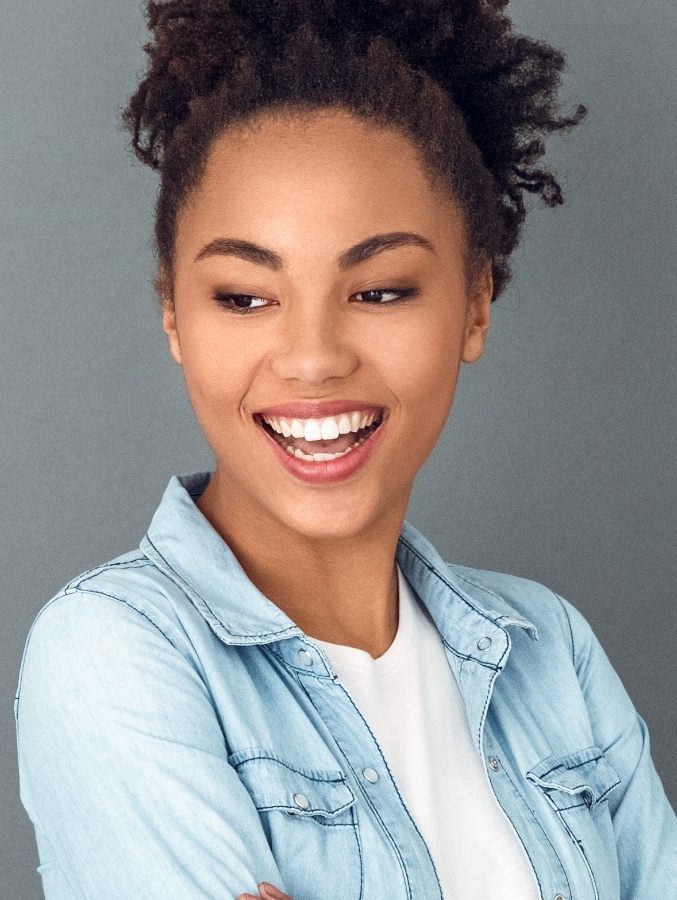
[(475, 97)]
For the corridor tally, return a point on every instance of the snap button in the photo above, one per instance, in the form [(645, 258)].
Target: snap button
[(484, 643), (301, 801), (370, 774), (559, 897), (305, 658), (495, 765)]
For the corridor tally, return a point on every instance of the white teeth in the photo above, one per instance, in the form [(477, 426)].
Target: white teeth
[(313, 430), (344, 425), (329, 429), (320, 457)]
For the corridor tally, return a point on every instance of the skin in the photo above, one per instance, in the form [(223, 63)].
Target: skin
[(308, 187)]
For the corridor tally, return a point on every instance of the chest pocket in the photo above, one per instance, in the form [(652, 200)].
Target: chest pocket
[(577, 788), (310, 822)]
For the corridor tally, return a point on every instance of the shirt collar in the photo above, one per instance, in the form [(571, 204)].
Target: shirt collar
[(182, 544)]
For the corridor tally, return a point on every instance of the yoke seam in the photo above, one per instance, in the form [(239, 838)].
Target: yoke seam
[(82, 590)]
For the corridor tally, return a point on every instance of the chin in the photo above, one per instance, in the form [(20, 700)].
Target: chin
[(323, 521)]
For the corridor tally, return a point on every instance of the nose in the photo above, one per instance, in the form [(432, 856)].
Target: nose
[(314, 344)]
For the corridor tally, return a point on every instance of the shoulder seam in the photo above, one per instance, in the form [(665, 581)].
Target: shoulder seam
[(136, 562), (76, 589)]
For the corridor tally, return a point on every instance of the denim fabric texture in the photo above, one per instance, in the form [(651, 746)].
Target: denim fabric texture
[(180, 737)]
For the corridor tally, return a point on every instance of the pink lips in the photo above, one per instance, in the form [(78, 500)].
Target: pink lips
[(327, 471)]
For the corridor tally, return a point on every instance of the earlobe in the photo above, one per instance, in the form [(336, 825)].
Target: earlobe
[(478, 317), (169, 328), (162, 286)]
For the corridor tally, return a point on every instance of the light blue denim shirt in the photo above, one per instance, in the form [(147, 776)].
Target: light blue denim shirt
[(180, 737)]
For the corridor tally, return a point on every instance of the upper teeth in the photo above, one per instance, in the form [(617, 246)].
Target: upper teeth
[(327, 429)]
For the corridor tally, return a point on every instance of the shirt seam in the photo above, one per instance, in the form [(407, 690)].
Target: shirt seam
[(85, 590)]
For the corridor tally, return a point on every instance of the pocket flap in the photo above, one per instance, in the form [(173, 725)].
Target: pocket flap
[(276, 784), (587, 775)]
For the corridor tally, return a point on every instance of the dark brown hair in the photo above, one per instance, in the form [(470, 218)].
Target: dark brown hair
[(475, 97)]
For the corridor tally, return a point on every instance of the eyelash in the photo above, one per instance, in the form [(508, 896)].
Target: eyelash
[(227, 301)]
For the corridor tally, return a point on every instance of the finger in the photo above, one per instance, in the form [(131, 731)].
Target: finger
[(269, 892)]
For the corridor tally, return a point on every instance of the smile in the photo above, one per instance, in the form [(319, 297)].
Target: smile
[(323, 439)]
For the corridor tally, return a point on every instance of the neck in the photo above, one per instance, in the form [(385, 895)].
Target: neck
[(340, 590)]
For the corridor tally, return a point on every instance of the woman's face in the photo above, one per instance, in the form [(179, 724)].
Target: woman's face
[(321, 312)]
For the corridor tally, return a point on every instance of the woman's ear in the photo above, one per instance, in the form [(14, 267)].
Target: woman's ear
[(478, 316), (165, 293)]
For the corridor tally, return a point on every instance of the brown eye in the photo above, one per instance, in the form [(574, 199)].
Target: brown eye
[(240, 302), (383, 296)]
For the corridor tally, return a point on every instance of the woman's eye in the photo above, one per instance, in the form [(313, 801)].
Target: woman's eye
[(384, 295), (241, 303)]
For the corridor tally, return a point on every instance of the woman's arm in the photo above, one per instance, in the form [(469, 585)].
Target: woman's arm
[(123, 764), (644, 823)]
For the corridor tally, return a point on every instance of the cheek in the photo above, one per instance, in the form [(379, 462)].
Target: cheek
[(217, 367), (422, 363)]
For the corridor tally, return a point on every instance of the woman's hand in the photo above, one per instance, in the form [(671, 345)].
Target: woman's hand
[(266, 892)]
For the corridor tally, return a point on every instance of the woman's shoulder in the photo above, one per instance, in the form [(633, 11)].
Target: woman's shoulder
[(128, 594), (107, 640)]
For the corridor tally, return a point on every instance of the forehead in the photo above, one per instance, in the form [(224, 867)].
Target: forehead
[(293, 175)]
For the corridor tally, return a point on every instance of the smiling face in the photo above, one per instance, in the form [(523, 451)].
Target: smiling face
[(320, 310)]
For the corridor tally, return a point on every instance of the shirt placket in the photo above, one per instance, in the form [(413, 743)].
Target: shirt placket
[(396, 859), (476, 681)]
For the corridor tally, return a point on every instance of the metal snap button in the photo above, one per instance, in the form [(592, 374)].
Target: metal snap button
[(559, 897), (484, 643), (495, 765), (301, 801), (305, 658), (370, 774)]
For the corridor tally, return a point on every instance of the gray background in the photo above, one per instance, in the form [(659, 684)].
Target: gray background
[(559, 460)]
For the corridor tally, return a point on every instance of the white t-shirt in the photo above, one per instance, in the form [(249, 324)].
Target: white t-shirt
[(410, 698)]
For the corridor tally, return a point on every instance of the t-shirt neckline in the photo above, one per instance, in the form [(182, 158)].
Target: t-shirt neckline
[(359, 660)]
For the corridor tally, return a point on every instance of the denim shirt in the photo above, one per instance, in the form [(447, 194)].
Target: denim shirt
[(180, 737)]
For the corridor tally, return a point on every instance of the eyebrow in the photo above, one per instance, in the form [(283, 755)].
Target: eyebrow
[(355, 255)]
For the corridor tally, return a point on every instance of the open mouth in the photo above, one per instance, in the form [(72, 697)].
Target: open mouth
[(325, 439)]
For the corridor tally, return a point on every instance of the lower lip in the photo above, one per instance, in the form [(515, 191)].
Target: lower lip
[(330, 470)]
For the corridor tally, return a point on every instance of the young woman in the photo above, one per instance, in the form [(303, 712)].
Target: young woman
[(285, 689)]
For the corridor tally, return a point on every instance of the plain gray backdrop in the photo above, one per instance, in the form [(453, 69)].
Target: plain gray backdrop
[(558, 462)]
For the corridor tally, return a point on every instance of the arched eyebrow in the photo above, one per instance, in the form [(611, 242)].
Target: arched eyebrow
[(353, 256)]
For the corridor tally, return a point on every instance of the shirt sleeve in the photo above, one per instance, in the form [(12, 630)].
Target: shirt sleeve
[(123, 764), (644, 823)]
